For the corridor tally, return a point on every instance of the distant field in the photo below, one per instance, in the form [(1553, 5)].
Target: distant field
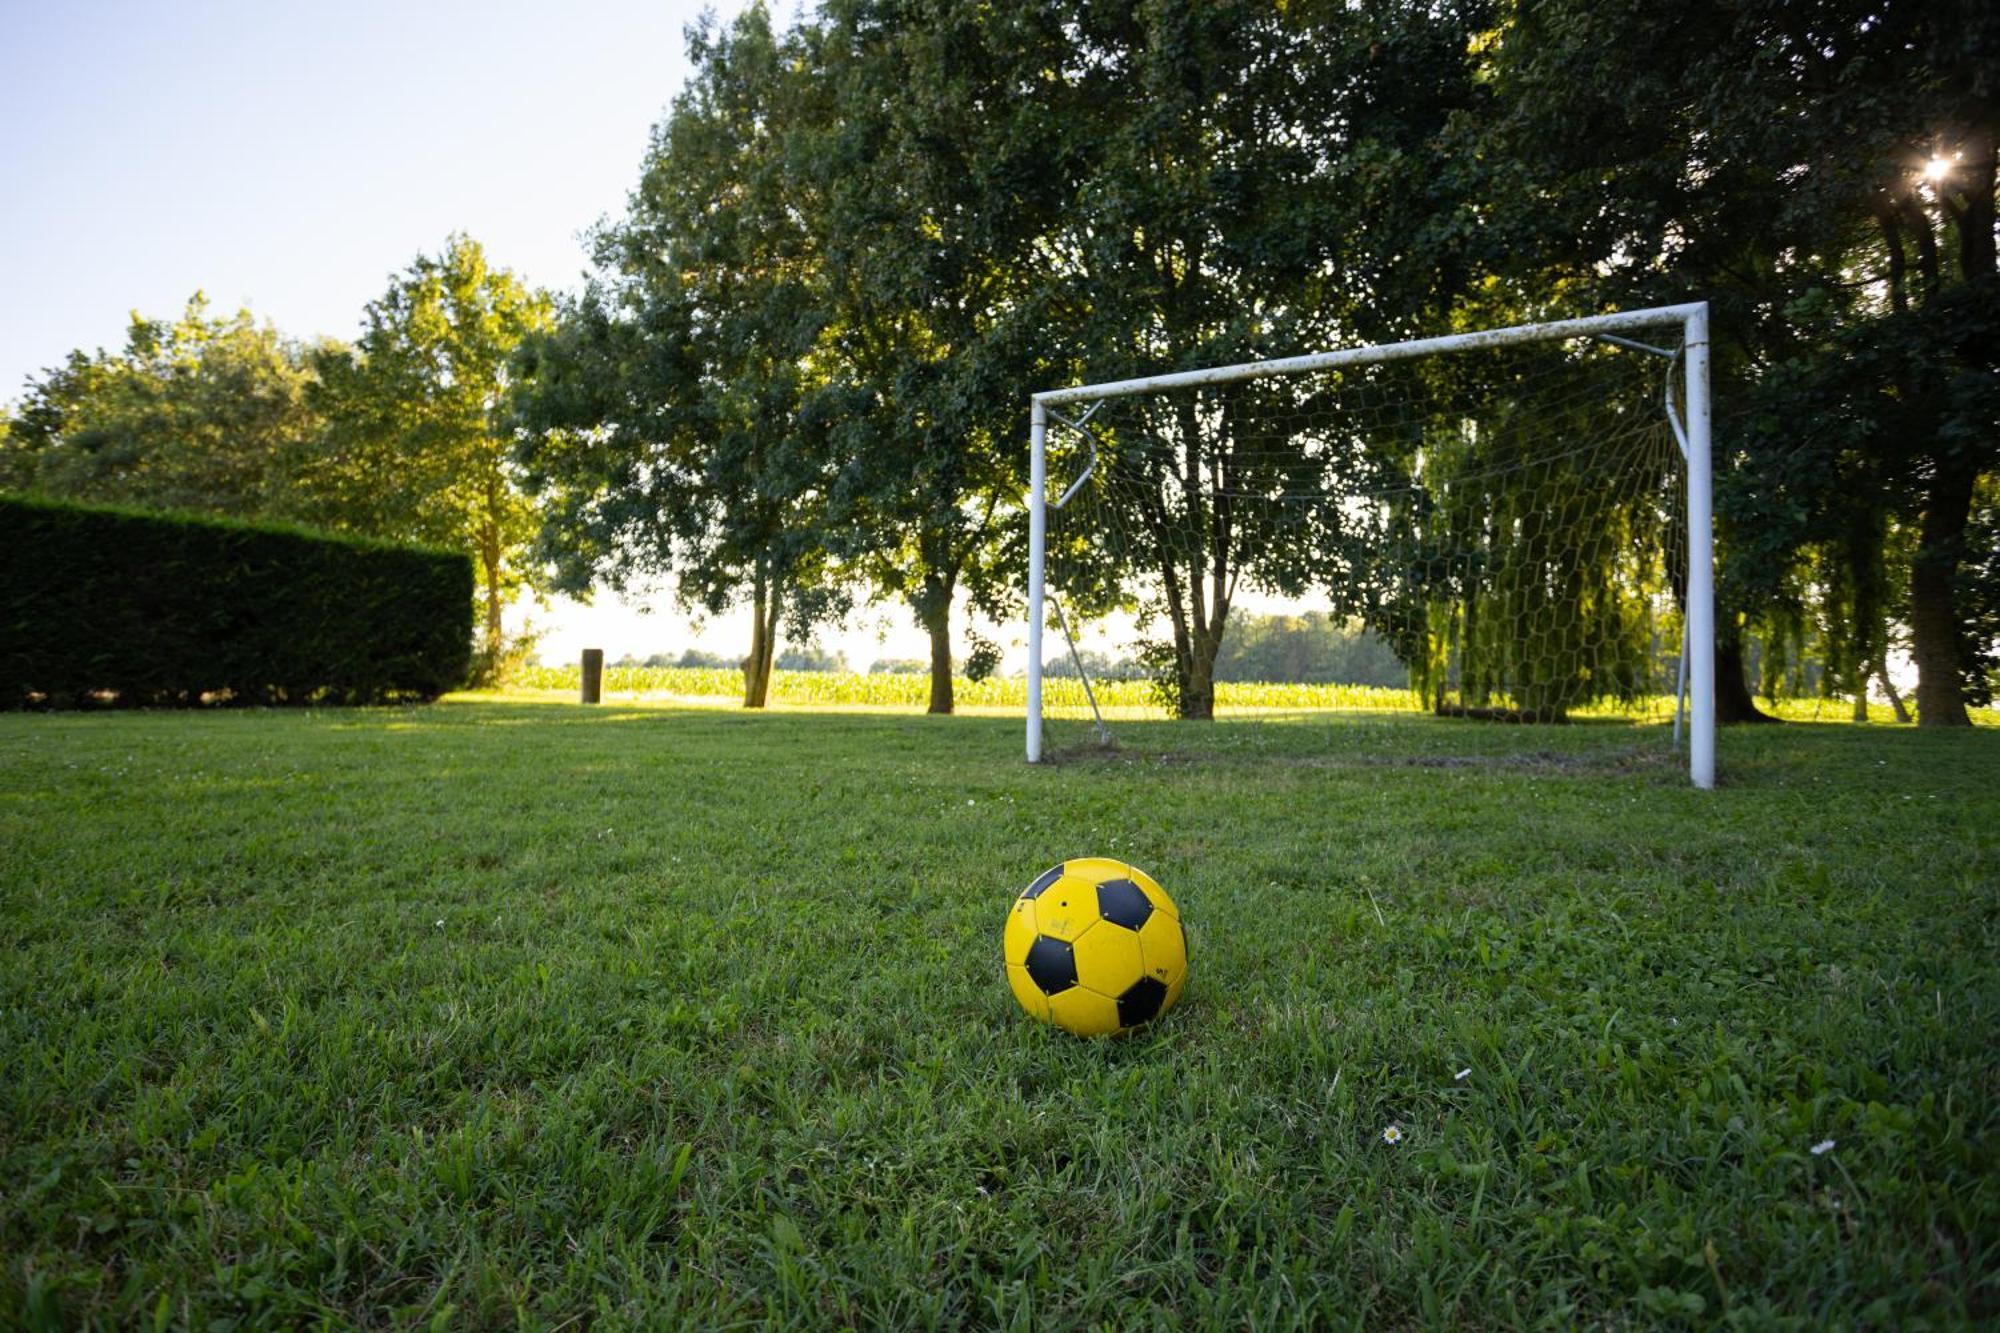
[(1127, 698), (885, 689), (496, 1013)]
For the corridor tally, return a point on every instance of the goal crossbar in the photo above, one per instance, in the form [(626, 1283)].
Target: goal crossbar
[(1699, 659)]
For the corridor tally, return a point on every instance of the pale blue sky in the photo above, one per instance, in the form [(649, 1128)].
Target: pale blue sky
[(291, 156)]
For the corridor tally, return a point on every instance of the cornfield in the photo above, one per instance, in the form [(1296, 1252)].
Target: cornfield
[(1062, 695), (886, 690)]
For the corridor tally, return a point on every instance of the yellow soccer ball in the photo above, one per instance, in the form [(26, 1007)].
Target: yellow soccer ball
[(1095, 946)]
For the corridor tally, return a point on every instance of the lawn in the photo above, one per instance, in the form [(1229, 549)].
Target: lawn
[(490, 1012)]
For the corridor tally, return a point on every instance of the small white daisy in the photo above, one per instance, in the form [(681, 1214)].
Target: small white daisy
[(1393, 1134), (1823, 1147)]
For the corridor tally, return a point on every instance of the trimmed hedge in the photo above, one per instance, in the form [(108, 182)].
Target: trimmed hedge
[(165, 609)]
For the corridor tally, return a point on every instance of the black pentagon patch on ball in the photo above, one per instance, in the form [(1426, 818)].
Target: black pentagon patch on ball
[(1052, 965), (1141, 1002), (1123, 903), (1048, 877)]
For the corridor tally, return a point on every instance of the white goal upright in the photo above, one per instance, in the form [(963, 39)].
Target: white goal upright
[(1523, 515)]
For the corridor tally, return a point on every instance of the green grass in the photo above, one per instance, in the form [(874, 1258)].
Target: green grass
[(487, 1013)]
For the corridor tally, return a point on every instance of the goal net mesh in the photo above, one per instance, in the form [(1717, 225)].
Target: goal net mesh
[(1508, 522)]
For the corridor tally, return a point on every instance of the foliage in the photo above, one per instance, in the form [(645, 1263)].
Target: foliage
[(1777, 159), (905, 684), (204, 414), (1100, 666), (690, 657), (857, 242), (391, 438), (418, 399), (932, 181), (532, 1043), (812, 657), (983, 661), (862, 228), (1979, 595), (1314, 647), (161, 609), (1257, 181), (1528, 551), (669, 426)]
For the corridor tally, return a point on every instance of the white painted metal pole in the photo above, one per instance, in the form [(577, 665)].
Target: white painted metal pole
[(1701, 557), (1681, 686), (1038, 476), (1591, 326)]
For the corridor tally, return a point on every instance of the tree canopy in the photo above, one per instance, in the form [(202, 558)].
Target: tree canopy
[(1824, 175), (797, 377), (396, 436), (419, 398), (205, 413), (861, 241)]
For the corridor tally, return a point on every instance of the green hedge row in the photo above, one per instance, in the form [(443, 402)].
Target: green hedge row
[(163, 609)]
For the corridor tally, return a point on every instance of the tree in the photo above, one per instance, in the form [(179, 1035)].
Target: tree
[(931, 179), (1314, 648), (417, 401), (1257, 180), (1777, 158), (812, 657), (676, 422), (206, 414)]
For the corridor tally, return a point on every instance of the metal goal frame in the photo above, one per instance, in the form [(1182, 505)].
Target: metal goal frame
[(1692, 432)]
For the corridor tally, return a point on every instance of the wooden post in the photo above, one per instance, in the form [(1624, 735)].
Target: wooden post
[(593, 675)]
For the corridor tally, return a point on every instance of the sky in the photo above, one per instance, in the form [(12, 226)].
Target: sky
[(289, 157)]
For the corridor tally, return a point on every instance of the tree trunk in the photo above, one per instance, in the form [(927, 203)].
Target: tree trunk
[(1198, 682), (1934, 619), (1196, 645), (1733, 702), (1934, 628), (939, 628), (1977, 253), (932, 603), (765, 602), (1889, 687), (489, 559)]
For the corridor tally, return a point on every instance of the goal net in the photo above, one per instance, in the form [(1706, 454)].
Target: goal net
[(1520, 517)]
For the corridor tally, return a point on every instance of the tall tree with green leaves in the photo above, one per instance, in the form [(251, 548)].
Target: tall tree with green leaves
[(1824, 175), (418, 400), (931, 180), (677, 423), (1254, 181), (204, 413)]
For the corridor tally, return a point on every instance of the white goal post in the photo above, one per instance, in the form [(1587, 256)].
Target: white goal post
[(1692, 434)]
